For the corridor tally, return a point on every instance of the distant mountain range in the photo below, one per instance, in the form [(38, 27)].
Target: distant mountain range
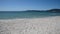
[(51, 10), (54, 10)]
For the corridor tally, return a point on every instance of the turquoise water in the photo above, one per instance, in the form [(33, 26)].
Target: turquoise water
[(17, 14)]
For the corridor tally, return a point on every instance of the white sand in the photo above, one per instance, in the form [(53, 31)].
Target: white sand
[(48, 25)]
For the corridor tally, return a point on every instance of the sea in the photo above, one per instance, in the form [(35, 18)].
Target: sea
[(26, 14)]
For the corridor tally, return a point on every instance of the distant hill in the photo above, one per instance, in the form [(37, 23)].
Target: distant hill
[(33, 10), (51, 10), (54, 10)]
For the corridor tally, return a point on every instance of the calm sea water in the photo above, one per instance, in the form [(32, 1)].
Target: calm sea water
[(17, 14)]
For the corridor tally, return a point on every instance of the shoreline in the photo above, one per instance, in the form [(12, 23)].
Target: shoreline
[(29, 18)]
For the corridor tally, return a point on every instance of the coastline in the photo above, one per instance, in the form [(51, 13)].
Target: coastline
[(47, 25)]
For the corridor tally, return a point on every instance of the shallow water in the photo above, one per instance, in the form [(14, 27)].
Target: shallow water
[(20, 14)]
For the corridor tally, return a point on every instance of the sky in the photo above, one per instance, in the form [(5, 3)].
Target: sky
[(21, 5)]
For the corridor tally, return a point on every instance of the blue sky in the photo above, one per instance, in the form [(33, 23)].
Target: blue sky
[(21, 5)]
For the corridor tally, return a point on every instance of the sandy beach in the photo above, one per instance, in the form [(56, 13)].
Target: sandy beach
[(47, 25)]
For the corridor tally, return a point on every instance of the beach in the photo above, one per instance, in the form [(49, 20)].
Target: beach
[(46, 25)]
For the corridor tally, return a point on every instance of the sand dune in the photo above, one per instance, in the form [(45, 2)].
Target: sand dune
[(48, 25)]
